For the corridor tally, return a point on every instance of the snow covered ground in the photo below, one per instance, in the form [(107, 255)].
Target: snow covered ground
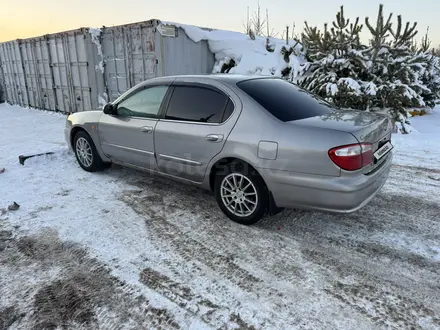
[(124, 250)]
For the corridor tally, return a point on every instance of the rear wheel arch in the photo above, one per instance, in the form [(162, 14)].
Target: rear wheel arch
[(225, 167), (223, 163)]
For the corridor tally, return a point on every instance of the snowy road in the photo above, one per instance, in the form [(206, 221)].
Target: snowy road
[(124, 250)]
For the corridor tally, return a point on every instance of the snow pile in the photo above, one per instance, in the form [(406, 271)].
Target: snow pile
[(95, 34), (102, 100), (422, 147), (261, 56), (96, 39)]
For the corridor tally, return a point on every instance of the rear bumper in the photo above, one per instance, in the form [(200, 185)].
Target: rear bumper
[(344, 194)]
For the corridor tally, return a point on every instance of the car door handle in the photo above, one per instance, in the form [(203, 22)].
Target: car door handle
[(214, 137), (147, 129)]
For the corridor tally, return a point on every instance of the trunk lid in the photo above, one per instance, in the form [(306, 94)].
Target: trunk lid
[(364, 126)]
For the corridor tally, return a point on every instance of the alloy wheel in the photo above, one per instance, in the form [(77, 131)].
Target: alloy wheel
[(239, 194), (84, 152)]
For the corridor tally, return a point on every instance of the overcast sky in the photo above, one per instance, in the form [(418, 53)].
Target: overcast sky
[(27, 18)]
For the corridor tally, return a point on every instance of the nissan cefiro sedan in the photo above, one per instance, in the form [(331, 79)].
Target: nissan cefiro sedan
[(260, 144)]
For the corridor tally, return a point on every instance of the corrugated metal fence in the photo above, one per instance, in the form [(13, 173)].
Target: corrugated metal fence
[(83, 69), (2, 86)]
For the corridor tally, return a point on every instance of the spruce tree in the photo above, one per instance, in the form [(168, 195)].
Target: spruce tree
[(406, 67), (379, 55)]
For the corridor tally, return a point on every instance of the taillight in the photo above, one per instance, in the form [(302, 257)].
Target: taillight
[(352, 157)]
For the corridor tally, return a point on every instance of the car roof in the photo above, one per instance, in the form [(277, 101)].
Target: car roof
[(224, 77), (229, 77)]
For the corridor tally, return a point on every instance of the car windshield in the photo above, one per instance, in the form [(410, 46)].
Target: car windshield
[(284, 100)]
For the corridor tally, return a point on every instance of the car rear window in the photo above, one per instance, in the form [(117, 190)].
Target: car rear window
[(284, 100)]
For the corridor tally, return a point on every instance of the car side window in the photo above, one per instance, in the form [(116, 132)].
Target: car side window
[(145, 103), (197, 104), (283, 99)]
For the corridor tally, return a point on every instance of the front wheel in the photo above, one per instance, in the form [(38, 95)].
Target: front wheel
[(86, 153), (241, 193)]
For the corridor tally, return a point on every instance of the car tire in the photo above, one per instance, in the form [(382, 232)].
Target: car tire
[(244, 200), (86, 153)]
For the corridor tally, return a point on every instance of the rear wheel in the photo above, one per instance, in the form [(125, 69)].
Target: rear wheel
[(86, 153), (241, 193)]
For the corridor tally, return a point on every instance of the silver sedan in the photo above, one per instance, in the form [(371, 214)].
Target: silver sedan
[(259, 143)]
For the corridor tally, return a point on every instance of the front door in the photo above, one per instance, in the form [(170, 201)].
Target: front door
[(193, 130), (127, 136)]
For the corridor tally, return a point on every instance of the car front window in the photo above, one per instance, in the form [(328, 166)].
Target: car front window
[(145, 103)]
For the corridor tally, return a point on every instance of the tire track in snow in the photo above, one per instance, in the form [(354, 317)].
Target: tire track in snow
[(272, 293), (61, 284), (172, 239)]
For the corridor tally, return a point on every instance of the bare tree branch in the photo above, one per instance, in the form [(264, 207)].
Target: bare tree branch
[(258, 22), (247, 24)]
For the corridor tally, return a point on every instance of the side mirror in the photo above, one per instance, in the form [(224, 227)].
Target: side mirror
[(109, 109)]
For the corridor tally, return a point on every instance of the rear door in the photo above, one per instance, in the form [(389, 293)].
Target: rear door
[(128, 135), (193, 130)]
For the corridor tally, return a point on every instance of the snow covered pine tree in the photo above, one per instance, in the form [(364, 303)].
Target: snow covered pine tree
[(396, 69), (388, 75), (431, 75), (337, 61)]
